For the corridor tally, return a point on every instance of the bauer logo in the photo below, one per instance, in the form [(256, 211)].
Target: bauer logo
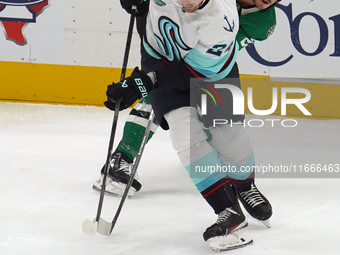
[(16, 14), (141, 87)]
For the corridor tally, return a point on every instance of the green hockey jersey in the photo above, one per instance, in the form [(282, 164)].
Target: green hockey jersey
[(255, 25)]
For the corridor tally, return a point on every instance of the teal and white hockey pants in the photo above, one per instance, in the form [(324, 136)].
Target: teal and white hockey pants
[(210, 165)]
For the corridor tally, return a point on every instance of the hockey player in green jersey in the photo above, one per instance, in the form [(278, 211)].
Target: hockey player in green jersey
[(257, 21)]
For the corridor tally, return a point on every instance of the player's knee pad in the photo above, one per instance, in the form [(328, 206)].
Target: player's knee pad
[(231, 143), (187, 135), (235, 150), (242, 171)]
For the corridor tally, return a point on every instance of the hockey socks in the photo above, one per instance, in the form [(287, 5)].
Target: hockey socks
[(220, 195), (134, 128), (243, 185)]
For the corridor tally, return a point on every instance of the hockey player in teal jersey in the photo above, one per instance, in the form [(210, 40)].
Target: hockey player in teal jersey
[(256, 23)]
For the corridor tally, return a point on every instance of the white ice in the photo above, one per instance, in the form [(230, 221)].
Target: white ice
[(51, 154)]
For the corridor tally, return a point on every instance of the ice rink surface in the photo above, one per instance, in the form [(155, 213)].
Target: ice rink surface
[(51, 154)]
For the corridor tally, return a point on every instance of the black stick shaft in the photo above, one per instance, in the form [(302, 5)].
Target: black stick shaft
[(112, 136), (134, 169), (115, 117), (128, 43)]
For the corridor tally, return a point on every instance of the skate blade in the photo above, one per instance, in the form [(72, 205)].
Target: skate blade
[(110, 193), (267, 223), (235, 240)]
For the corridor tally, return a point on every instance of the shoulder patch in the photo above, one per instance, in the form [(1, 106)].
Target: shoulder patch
[(270, 30)]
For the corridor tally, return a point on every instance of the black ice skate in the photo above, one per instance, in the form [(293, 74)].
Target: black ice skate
[(228, 232), (256, 204), (118, 177)]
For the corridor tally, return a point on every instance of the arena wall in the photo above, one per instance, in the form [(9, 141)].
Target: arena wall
[(67, 52)]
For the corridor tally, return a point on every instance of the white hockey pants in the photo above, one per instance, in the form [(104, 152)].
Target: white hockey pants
[(228, 154)]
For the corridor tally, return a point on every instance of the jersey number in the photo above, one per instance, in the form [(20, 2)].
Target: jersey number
[(218, 49)]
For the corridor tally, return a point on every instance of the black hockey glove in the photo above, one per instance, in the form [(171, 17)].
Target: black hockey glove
[(131, 89), (142, 6)]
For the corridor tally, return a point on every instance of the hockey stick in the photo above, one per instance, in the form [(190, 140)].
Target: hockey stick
[(104, 227), (90, 227)]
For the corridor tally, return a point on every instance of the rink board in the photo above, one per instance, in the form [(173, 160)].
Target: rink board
[(81, 85), (67, 52)]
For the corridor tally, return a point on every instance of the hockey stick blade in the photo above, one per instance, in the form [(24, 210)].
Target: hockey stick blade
[(104, 227), (90, 227)]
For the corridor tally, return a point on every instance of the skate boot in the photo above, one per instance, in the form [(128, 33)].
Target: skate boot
[(256, 204), (228, 231), (118, 176)]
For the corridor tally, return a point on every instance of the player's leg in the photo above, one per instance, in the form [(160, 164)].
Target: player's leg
[(122, 158), (189, 140), (233, 145), (134, 128), (235, 150)]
